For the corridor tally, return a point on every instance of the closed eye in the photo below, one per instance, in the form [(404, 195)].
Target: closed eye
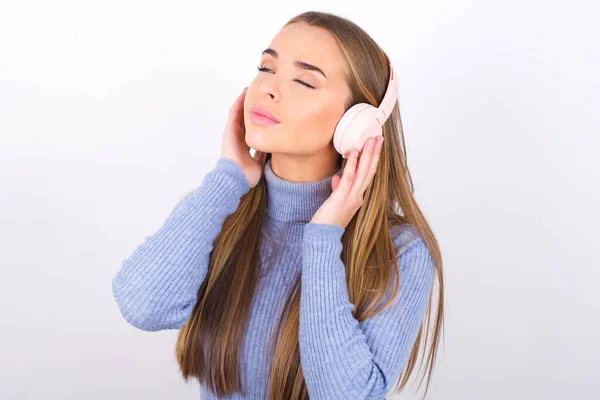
[(264, 69)]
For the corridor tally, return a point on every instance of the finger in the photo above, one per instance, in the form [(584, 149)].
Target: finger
[(237, 100), (373, 164), (335, 181), (363, 166), (349, 172), (236, 110)]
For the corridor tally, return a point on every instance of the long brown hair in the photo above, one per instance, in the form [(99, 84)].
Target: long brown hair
[(210, 343)]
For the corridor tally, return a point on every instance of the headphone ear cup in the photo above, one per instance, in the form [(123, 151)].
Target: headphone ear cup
[(356, 125), (341, 127), (372, 130)]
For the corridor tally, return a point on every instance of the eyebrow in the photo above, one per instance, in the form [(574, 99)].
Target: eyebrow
[(300, 64)]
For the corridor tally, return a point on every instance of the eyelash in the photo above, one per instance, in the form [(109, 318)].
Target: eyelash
[(262, 69)]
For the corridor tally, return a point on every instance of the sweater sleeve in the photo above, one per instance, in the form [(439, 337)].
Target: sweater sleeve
[(157, 285), (342, 358)]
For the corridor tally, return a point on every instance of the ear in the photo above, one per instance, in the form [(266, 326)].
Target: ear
[(335, 181)]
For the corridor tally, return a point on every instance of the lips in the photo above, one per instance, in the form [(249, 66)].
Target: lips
[(262, 111)]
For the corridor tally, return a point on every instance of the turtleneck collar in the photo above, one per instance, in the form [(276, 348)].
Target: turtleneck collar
[(290, 205)]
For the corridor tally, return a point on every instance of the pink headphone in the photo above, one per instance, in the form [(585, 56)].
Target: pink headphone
[(362, 120)]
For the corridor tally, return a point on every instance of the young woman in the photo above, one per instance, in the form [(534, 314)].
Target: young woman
[(296, 272)]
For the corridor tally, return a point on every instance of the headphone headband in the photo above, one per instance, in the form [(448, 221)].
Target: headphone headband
[(390, 97)]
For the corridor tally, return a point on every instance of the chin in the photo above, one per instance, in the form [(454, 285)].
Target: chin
[(259, 140)]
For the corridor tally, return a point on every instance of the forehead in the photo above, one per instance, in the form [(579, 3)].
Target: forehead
[(311, 44)]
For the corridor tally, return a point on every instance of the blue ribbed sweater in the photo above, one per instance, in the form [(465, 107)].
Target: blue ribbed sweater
[(156, 286)]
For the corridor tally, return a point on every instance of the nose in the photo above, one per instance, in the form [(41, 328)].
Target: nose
[(270, 88)]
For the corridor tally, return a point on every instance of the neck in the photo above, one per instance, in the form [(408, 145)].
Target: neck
[(291, 204), (305, 169)]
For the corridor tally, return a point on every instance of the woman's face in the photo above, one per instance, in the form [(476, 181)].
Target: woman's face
[(307, 116)]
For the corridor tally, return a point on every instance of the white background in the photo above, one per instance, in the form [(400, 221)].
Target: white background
[(110, 112)]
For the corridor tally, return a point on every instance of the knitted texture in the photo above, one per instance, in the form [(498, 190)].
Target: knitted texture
[(156, 286)]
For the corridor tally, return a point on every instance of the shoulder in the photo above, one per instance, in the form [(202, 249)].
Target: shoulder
[(405, 235), (411, 249)]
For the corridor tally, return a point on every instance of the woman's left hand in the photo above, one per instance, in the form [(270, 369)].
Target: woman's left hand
[(348, 190)]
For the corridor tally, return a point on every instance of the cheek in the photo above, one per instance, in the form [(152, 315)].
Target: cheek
[(317, 122)]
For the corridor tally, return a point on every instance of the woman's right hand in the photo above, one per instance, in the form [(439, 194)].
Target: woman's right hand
[(233, 144)]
